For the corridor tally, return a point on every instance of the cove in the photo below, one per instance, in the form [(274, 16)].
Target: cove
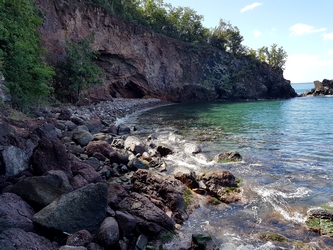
[(286, 169)]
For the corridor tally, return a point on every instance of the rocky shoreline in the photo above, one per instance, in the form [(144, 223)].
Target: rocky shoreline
[(71, 178)]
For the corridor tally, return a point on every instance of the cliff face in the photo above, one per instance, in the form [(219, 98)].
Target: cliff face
[(138, 62)]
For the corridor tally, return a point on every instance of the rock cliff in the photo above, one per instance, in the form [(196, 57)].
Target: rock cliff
[(139, 63)]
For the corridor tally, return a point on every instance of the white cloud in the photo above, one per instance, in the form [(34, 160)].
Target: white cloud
[(328, 36), (301, 29), (330, 52), (256, 33), (307, 68), (250, 7)]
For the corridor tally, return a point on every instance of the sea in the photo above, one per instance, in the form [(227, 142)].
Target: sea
[(286, 167)]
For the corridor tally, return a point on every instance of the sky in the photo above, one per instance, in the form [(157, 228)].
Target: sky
[(303, 28)]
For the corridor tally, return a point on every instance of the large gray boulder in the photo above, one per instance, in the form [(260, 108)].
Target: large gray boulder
[(82, 136), (15, 160), (151, 220), (18, 239), (42, 190), (15, 213), (84, 208), (84, 173)]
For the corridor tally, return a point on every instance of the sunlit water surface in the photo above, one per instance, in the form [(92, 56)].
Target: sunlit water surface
[(287, 149)]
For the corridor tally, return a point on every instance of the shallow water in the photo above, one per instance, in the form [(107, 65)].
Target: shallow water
[(287, 149)]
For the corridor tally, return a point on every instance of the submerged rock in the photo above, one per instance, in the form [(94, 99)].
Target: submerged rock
[(320, 220), (227, 157)]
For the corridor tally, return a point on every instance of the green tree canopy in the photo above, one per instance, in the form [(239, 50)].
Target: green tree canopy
[(20, 51), (275, 56)]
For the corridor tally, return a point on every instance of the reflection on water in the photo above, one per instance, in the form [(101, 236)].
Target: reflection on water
[(286, 169)]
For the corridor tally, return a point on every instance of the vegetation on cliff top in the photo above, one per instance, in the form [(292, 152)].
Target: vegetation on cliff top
[(30, 80)]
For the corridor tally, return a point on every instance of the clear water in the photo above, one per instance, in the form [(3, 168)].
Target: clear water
[(287, 149)]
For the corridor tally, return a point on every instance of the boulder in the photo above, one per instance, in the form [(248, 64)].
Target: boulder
[(94, 246), (116, 193), (103, 137), (82, 136), (186, 176), (120, 156), (227, 157), (99, 148), (123, 130), (135, 164), (83, 174), (165, 193), (51, 154), (151, 220), (135, 145), (47, 130), (320, 220), (222, 185), (15, 160), (84, 208), (66, 247), (126, 222), (65, 114), (108, 233), (42, 190), (15, 213), (17, 239), (79, 238)]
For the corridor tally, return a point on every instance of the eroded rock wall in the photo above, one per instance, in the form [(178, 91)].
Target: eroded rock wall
[(138, 62)]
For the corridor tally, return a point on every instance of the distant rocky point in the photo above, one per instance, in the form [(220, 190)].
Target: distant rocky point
[(321, 88)]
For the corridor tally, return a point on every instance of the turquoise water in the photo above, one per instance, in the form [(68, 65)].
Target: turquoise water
[(287, 149)]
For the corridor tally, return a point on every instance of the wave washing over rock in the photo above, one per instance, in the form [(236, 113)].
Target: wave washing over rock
[(72, 178)]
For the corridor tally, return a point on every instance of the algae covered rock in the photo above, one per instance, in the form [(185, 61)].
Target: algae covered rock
[(320, 220)]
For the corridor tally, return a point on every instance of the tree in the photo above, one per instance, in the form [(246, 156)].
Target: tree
[(275, 57), (79, 71), (27, 76), (227, 37)]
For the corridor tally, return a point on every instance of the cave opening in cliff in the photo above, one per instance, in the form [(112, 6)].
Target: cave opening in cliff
[(129, 90)]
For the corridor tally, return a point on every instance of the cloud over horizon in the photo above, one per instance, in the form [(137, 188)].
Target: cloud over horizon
[(250, 7), (301, 29)]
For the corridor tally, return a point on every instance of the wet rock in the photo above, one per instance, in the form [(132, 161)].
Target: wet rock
[(15, 160), (202, 242), (82, 136), (83, 174), (15, 238), (123, 130), (79, 238), (108, 233), (164, 149), (187, 177), (126, 222), (191, 148), (51, 154), (227, 157), (99, 148), (167, 194), (135, 164), (222, 185), (15, 213), (84, 208), (42, 190), (320, 220), (151, 220), (116, 193), (135, 145)]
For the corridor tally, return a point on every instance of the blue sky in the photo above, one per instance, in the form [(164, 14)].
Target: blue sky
[(304, 28)]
